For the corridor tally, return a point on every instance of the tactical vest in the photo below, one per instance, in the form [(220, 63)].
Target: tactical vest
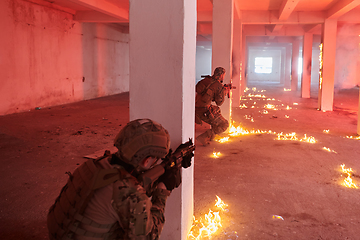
[(66, 214), (205, 91)]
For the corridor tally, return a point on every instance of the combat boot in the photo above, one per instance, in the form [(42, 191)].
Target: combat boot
[(206, 137)]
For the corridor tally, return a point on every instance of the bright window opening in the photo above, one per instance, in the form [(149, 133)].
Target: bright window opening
[(263, 64), (300, 66)]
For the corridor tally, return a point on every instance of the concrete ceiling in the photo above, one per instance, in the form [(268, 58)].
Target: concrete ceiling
[(260, 17)]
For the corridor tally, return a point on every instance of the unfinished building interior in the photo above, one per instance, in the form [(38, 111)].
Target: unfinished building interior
[(74, 72)]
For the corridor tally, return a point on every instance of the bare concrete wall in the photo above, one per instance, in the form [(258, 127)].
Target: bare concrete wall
[(48, 59), (347, 68)]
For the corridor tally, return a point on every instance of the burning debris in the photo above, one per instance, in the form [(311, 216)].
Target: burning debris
[(326, 131), (209, 225), (329, 150), (270, 106), (353, 137), (348, 181), (216, 154), (293, 137), (277, 217), (222, 139)]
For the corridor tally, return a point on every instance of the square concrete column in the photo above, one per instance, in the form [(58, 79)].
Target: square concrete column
[(326, 86), (162, 87), (243, 66), (222, 40), (358, 123), (306, 72), (288, 50), (295, 64), (236, 62)]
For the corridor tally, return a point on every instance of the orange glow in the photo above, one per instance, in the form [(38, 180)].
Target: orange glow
[(270, 106), (353, 137), (328, 149), (216, 154), (277, 217), (287, 90), (320, 66), (326, 130), (243, 106), (292, 137), (308, 139), (204, 228), (348, 182), (222, 139)]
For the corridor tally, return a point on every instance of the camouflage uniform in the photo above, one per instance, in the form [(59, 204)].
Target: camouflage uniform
[(208, 90), (102, 200)]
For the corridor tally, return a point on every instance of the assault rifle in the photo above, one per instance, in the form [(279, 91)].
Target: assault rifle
[(228, 87), (180, 158)]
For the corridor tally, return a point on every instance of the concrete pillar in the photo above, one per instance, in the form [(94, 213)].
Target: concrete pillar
[(306, 73), (244, 58), (236, 62), (358, 123), (326, 87), (282, 68), (222, 39), (287, 83), (162, 87), (295, 64)]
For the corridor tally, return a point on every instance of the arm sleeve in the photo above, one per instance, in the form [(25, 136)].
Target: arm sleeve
[(220, 95), (140, 217)]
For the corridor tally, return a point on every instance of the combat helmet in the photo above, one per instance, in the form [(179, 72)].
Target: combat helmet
[(218, 72), (141, 138)]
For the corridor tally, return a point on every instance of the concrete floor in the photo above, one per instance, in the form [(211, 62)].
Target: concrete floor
[(257, 175)]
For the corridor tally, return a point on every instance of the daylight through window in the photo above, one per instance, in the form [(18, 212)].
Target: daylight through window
[(263, 64)]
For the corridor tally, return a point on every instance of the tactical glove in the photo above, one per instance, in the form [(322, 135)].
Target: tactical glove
[(171, 178), (186, 162)]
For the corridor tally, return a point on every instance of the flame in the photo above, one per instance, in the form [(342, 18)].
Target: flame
[(320, 66), (256, 95), (205, 228), (243, 106), (292, 137), (216, 154), (277, 217), (295, 103), (308, 139), (288, 108), (222, 140), (329, 150), (237, 131), (287, 90), (270, 106), (348, 182), (353, 137), (326, 130), (220, 204)]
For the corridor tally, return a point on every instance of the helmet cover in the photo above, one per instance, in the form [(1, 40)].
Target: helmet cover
[(141, 138), (218, 72)]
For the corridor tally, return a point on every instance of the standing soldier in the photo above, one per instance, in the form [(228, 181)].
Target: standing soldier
[(103, 198), (208, 90)]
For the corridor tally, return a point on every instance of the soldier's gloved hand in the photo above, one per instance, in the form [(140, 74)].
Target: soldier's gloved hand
[(186, 162), (171, 178)]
